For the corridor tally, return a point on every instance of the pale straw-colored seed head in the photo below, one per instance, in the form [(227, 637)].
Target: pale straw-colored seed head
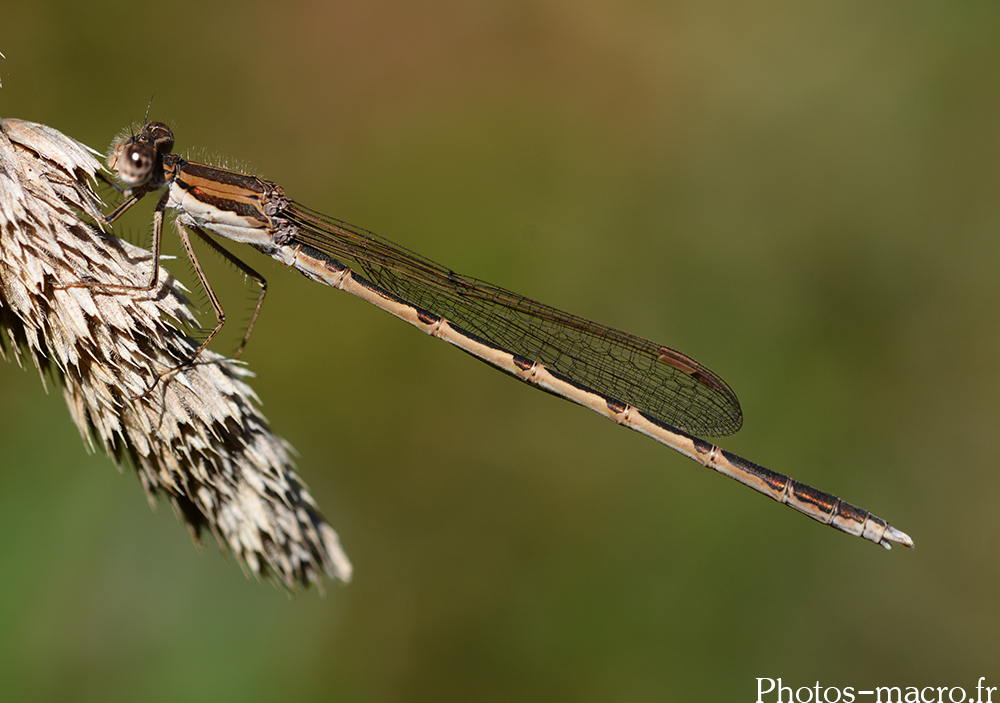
[(197, 438)]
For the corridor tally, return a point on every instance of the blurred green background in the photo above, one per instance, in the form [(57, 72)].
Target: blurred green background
[(802, 196)]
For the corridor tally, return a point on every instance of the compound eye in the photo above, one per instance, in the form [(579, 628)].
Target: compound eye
[(134, 164), (161, 136)]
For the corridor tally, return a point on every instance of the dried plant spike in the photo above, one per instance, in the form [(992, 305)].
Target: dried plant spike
[(199, 439)]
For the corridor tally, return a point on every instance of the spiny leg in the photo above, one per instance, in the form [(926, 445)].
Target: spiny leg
[(154, 277), (220, 313), (247, 270)]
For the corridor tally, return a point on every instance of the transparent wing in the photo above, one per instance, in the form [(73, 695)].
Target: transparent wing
[(664, 384)]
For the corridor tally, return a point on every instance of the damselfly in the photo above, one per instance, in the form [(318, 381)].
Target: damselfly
[(634, 382)]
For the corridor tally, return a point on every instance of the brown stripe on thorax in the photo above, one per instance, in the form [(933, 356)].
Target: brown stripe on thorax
[(226, 190)]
